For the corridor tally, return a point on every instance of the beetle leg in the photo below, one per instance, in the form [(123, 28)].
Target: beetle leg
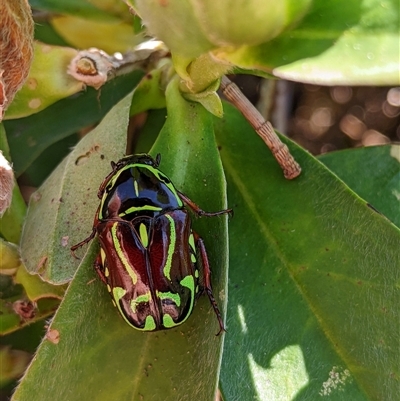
[(85, 241), (207, 280), (98, 266), (200, 212)]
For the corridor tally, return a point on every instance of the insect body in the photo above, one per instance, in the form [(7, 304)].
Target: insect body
[(153, 263)]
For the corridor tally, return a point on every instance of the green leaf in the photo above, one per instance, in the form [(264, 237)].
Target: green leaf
[(373, 173), (177, 364), (148, 94), (196, 170), (37, 289), (47, 81), (12, 364), (155, 120), (25, 339), (313, 295), (12, 274), (12, 220), (29, 137), (345, 42), (61, 212), (209, 99), (74, 7), (82, 33), (10, 321), (9, 260)]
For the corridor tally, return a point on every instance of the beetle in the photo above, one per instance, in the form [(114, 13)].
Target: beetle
[(152, 262)]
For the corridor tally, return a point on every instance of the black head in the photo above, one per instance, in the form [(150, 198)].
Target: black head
[(141, 158)]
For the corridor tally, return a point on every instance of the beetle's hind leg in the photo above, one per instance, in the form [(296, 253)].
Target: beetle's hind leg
[(100, 264), (207, 280)]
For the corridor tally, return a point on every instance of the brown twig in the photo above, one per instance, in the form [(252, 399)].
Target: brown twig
[(264, 129)]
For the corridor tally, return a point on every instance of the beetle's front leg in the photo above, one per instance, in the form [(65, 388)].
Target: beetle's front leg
[(90, 237), (207, 280), (99, 267), (85, 241)]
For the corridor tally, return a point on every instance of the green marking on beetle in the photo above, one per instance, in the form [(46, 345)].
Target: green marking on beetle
[(136, 186), (140, 208), (171, 247), (169, 295), (108, 288), (121, 254), (168, 321), (143, 235), (188, 282), (118, 293), (106, 272), (193, 248), (191, 242), (150, 324), (196, 273), (102, 256), (139, 299)]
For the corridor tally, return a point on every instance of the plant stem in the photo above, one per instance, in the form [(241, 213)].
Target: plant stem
[(264, 129)]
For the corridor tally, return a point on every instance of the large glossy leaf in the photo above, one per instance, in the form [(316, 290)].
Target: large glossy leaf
[(313, 296), (61, 212), (342, 42), (373, 173), (98, 355)]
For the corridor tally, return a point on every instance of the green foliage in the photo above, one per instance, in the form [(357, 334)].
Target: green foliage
[(306, 272)]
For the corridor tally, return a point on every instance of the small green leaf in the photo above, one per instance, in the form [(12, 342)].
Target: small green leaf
[(111, 36), (11, 322), (35, 288), (209, 99), (47, 81), (12, 364), (9, 260), (12, 220)]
